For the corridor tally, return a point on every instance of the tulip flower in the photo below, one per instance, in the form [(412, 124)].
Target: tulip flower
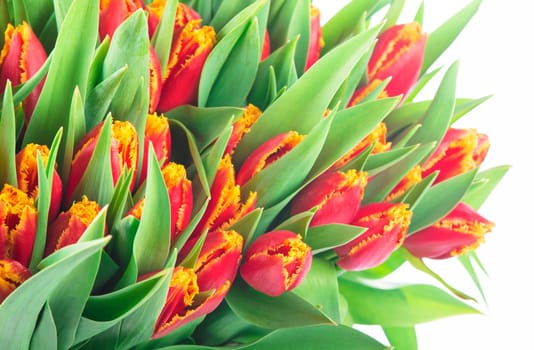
[(113, 13), (184, 14), (21, 57), (387, 224), (18, 222), (276, 262), (69, 225), (198, 291), (155, 78), (188, 54), (157, 132), (460, 151), (124, 153), (461, 230), (377, 138), (413, 177), (398, 55), (316, 37), (27, 175), (266, 154), (336, 195), (242, 126), (12, 275), (225, 206)]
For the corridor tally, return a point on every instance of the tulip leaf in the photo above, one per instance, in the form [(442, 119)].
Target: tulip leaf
[(325, 237), (44, 336), (69, 68), (184, 236), (118, 201), (190, 260), (25, 89), (152, 239), (8, 139), (401, 338), (320, 288), (213, 156), (36, 13), (247, 225), (439, 200), (16, 327), (404, 137), (162, 39), (414, 194), (344, 135), (420, 84), (379, 162), (240, 19), (286, 310), (392, 15), (383, 182), (235, 10), (441, 38), (405, 306), (75, 130), (297, 223), (483, 184), (316, 87), (206, 124), (466, 260), (358, 74)]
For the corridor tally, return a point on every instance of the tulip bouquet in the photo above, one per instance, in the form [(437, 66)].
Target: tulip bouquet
[(213, 174)]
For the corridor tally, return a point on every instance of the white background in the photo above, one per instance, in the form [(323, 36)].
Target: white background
[(495, 54)]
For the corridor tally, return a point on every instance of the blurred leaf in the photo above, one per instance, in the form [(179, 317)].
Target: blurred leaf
[(466, 261), (483, 185), (401, 338), (391, 17), (325, 237), (8, 138), (44, 336), (400, 307)]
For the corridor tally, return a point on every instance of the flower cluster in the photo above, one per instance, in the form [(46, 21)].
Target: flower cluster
[(216, 172)]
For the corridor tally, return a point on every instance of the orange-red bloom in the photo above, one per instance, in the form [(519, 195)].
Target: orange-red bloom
[(184, 14), (387, 224), (266, 154), (316, 37), (461, 230), (337, 196), (155, 79), (198, 291), (276, 262), (113, 13), (21, 57), (413, 177), (12, 275), (27, 175), (18, 222), (69, 226), (157, 132), (460, 150), (242, 126), (188, 54)]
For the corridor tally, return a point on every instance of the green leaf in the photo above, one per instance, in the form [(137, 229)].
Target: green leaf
[(441, 38), (400, 307), (232, 9), (287, 310), (162, 39), (75, 130), (416, 192), (16, 327), (297, 223), (25, 89), (401, 338), (420, 84), (325, 237), (247, 225), (483, 184), (152, 240), (8, 138), (69, 68), (439, 200), (118, 201), (379, 162), (44, 336), (316, 88)]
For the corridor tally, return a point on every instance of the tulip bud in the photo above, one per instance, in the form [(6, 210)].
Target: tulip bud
[(157, 132), (12, 275), (113, 13), (266, 154), (27, 176), (188, 54), (276, 262), (18, 222), (69, 226), (460, 151), (337, 196), (21, 57), (184, 14), (242, 126), (387, 224), (316, 37), (461, 230)]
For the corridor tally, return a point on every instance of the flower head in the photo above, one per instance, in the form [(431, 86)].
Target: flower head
[(12, 275)]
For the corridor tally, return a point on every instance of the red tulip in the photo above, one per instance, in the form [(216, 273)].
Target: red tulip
[(184, 14), (316, 37), (276, 262), (198, 291), (266, 154), (18, 222), (69, 226), (188, 54), (155, 79), (27, 176), (337, 196), (113, 13), (387, 224), (21, 57), (242, 126), (158, 132), (461, 230), (413, 177), (12, 275)]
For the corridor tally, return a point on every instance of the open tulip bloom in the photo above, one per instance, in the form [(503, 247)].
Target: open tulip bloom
[(231, 174)]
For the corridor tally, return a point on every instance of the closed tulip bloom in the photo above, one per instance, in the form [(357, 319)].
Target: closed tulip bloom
[(12, 275), (336, 195), (242, 126), (157, 132), (276, 262), (184, 14), (460, 151), (387, 224), (462, 230), (27, 176), (113, 13), (188, 54), (21, 57), (316, 37), (69, 226), (266, 154), (155, 79), (18, 222)]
